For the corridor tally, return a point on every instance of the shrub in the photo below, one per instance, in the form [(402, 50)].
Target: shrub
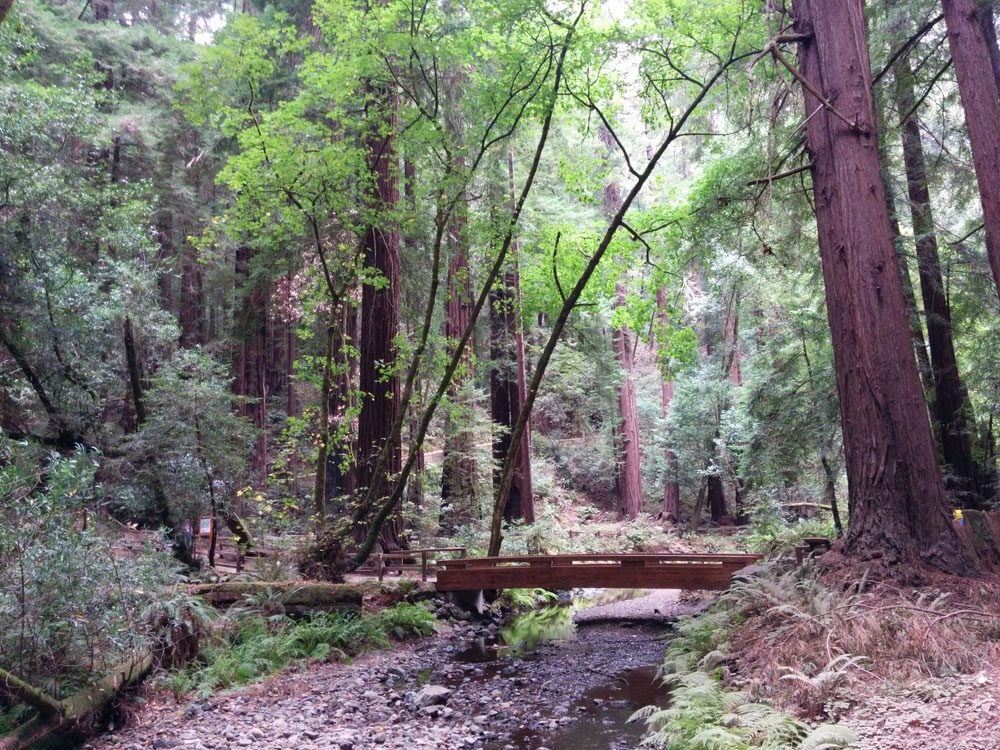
[(71, 603), (252, 646)]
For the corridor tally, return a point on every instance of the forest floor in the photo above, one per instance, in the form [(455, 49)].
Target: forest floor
[(445, 692), (908, 661)]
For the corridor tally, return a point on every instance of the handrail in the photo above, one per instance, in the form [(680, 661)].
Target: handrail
[(598, 558), (608, 570), (379, 559)]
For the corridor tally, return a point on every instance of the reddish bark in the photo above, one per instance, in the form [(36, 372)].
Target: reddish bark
[(458, 470), (985, 16), (717, 498), (978, 87), (898, 511), (627, 434), (950, 401), (378, 380)]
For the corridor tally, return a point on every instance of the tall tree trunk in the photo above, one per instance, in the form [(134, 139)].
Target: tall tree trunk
[(629, 471), (134, 373), (378, 377), (323, 449), (985, 14), (912, 313), (671, 487), (978, 87), (190, 311), (458, 468), (898, 510), (507, 381), (627, 435), (250, 336), (950, 399)]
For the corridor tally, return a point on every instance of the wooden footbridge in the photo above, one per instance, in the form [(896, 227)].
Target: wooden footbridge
[(614, 571)]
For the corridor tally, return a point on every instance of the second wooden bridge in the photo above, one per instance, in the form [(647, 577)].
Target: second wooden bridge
[(616, 571)]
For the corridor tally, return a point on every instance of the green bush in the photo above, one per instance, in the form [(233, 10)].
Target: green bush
[(253, 646), (72, 603)]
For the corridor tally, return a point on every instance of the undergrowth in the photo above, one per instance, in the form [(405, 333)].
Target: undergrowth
[(785, 640), (251, 645), (705, 714)]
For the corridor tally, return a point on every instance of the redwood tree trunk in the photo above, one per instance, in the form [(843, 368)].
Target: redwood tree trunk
[(898, 511), (950, 401), (627, 436), (378, 380), (250, 336), (458, 469), (985, 16), (507, 383), (977, 84), (192, 301)]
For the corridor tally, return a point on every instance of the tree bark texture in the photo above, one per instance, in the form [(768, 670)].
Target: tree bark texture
[(134, 373), (458, 469), (508, 382), (986, 14), (627, 435), (249, 366), (898, 511), (378, 379), (190, 313), (75, 710), (629, 471), (978, 87), (950, 401), (671, 487)]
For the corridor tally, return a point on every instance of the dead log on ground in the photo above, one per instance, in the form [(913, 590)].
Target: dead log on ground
[(71, 714)]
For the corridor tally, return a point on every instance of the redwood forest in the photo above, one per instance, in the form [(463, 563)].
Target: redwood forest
[(521, 375)]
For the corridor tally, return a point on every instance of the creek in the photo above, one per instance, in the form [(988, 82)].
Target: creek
[(594, 675), (538, 681)]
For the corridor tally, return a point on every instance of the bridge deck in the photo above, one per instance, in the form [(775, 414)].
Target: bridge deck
[(648, 571)]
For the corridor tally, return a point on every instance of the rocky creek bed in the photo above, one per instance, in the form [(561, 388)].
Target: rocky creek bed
[(459, 689)]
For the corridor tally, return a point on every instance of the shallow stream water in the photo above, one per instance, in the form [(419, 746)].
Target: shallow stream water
[(547, 642)]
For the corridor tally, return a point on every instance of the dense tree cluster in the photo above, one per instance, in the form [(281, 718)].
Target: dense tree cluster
[(364, 271)]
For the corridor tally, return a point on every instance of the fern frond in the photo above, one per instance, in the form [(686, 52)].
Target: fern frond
[(828, 737)]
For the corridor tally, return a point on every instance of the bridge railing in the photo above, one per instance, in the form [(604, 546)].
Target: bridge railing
[(686, 571)]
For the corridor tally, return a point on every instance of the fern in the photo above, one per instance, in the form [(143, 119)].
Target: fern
[(828, 737)]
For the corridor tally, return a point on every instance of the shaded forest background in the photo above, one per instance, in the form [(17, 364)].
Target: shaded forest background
[(410, 274)]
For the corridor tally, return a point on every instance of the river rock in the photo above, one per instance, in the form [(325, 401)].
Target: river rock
[(432, 695)]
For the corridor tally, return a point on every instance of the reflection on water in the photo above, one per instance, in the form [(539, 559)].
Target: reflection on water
[(524, 635), (597, 720), (601, 716)]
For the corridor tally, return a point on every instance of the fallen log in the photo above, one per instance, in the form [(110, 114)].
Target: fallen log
[(293, 597), (73, 713)]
